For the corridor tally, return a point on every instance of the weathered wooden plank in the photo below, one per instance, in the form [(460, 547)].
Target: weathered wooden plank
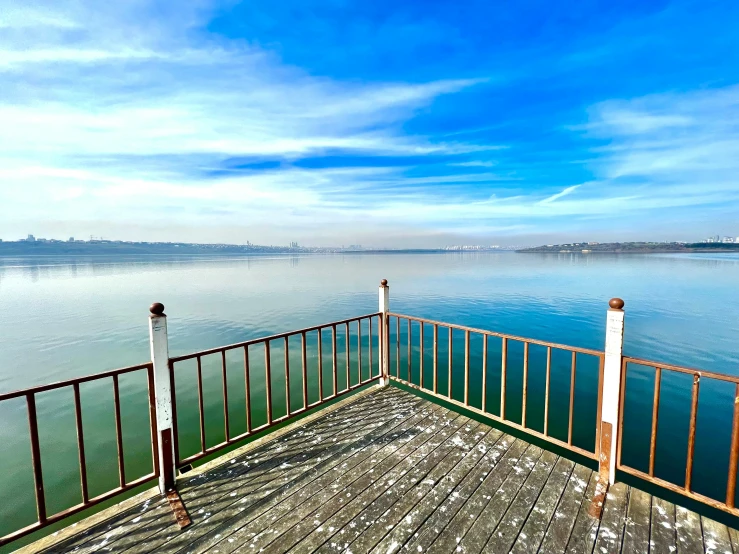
[(445, 539), (508, 529), (268, 473), (448, 456), (434, 525), (689, 531), (662, 535), (381, 474), (481, 529), (226, 512), (284, 511), (295, 443), (715, 536), (610, 532), (426, 503), (733, 536), (563, 519), (585, 530), (536, 523), (638, 516), (396, 484)]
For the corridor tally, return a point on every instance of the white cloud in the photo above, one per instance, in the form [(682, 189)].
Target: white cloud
[(565, 192), (131, 115), (670, 138)]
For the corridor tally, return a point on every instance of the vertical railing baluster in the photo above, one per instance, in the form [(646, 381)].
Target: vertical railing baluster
[(450, 376), (572, 397), (691, 432), (334, 368), (621, 398), (547, 380), (320, 366), (247, 388), (466, 368), (525, 383), (224, 378), (397, 347), (599, 408), (420, 342), (369, 346), (38, 479), (304, 360), (655, 417), (153, 420), (359, 347), (503, 368), (268, 381), (379, 345), (201, 408), (410, 379), (484, 371), (175, 439), (436, 357), (348, 358), (118, 432), (287, 376), (80, 443), (733, 453)]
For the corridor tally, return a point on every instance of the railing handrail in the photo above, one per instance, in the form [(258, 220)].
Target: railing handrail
[(498, 334), (70, 382), (682, 369), (234, 346)]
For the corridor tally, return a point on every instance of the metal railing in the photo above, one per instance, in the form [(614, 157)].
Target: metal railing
[(163, 372), (43, 518), (247, 348), (506, 340), (686, 487)]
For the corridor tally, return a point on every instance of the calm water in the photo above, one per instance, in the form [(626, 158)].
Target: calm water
[(62, 318)]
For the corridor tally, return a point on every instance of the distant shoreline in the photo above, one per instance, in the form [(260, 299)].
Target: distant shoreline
[(686, 251), (8, 250), (634, 248)]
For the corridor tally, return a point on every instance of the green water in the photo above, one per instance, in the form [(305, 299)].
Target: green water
[(63, 318)]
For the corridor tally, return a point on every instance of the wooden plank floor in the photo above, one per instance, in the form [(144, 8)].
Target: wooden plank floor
[(392, 472)]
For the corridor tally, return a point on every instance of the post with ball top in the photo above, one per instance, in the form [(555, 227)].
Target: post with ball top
[(385, 333), (611, 394)]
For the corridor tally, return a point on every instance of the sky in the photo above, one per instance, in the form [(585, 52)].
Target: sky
[(387, 124)]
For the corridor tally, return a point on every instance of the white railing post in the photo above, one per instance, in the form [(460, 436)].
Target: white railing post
[(611, 387), (162, 396), (611, 393), (385, 335)]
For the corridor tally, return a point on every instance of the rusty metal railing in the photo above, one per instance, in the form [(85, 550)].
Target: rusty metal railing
[(506, 340), (43, 518), (165, 431), (246, 348), (686, 487)]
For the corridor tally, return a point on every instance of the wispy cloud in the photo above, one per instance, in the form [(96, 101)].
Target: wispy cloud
[(565, 192)]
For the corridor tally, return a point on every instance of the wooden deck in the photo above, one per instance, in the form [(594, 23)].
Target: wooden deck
[(391, 472)]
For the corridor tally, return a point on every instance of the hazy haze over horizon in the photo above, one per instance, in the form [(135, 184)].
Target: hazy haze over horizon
[(417, 125)]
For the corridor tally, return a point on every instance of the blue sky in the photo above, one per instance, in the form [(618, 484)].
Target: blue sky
[(416, 124)]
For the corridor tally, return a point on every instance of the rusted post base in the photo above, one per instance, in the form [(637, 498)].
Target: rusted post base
[(599, 498), (178, 508), (604, 464)]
